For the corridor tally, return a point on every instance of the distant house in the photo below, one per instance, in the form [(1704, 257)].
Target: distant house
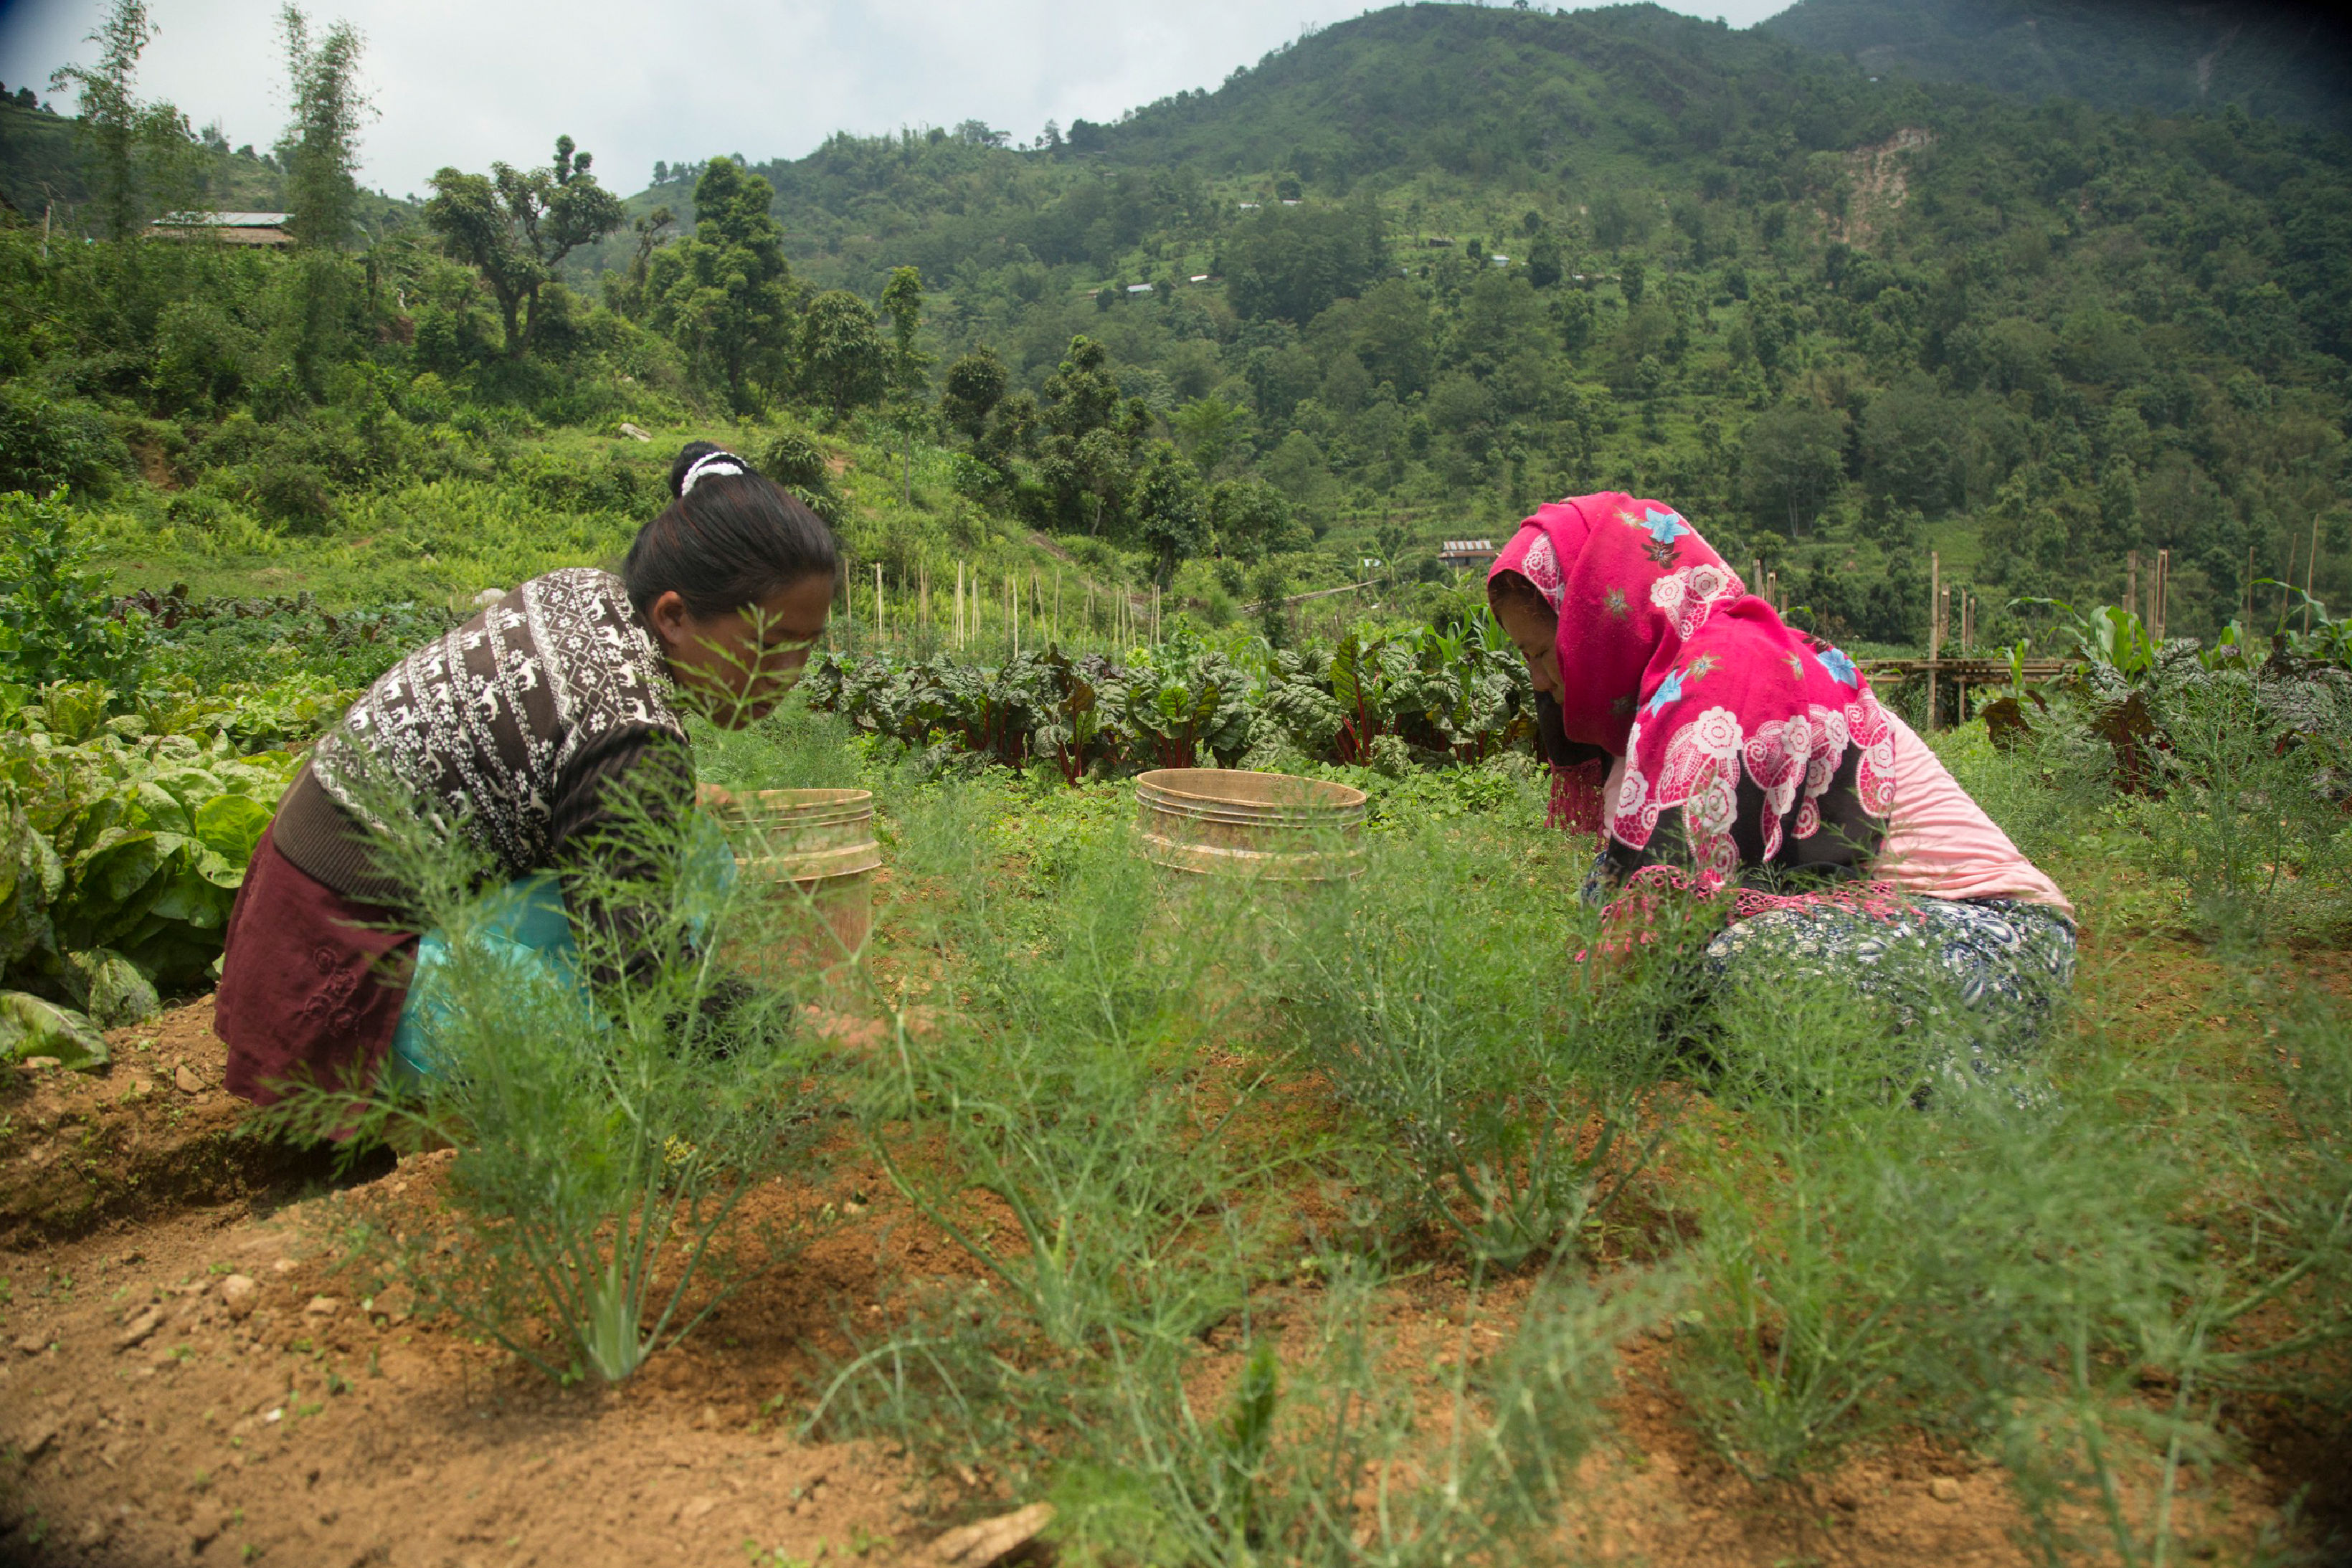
[(1463, 555), (1290, 201), (228, 228), (1198, 277), (1249, 206), (1498, 261), (1139, 288)]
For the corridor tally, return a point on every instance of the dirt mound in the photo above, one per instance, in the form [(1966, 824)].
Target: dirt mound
[(156, 1133)]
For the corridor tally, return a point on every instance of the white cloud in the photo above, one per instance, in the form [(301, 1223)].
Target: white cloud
[(467, 81)]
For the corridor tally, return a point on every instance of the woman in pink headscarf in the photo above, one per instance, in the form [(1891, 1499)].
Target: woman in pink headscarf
[(1714, 752)]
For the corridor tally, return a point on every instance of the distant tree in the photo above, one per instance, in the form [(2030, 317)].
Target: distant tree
[(321, 145), (1544, 267), (975, 385), (1634, 279), (136, 144), (1249, 519), (626, 292), (909, 377), (1795, 458), (514, 225), (725, 294), (842, 358), (1171, 509), (1394, 336), (1906, 445), (1082, 395), (902, 301), (1050, 139), (1292, 262), (1208, 427)]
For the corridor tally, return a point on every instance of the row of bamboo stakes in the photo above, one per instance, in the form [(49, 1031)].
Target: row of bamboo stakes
[(1130, 623)]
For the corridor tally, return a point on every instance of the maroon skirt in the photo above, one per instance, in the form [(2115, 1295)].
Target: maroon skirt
[(311, 983)]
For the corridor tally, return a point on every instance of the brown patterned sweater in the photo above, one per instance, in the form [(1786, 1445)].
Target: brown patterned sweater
[(535, 732)]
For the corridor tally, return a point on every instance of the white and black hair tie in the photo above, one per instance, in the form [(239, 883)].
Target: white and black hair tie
[(708, 463)]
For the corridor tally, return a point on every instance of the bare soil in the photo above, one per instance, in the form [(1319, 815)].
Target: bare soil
[(146, 1419)]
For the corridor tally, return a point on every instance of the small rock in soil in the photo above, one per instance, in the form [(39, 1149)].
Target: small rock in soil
[(393, 1303), (186, 1077), (1944, 1489), (323, 1307), (31, 1344), (138, 1328), (991, 1540), (239, 1294), (203, 1525), (34, 1441), (284, 1266)]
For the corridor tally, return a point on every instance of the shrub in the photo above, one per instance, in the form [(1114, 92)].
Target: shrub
[(57, 619), (46, 445)]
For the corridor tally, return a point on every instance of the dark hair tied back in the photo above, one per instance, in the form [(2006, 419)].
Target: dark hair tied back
[(729, 538)]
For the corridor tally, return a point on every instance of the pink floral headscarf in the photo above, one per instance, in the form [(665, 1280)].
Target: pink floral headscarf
[(1727, 718)]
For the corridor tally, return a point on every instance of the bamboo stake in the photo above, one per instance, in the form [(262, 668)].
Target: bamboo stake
[(877, 602), (2163, 591), (959, 615), (2131, 586), (1935, 628), (1772, 589), (1058, 604), (1756, 574), (2250, 591), (2310, 570)]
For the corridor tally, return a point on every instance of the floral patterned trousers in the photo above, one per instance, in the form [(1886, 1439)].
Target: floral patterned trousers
[(1975, 978)]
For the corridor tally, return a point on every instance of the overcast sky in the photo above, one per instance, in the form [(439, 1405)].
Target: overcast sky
[(467, 81)]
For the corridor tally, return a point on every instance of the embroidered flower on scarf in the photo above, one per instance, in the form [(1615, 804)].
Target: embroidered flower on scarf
[(1664, 529), (1834, 660), (1663, 526), (1614, 602), (1700, 773), (1689, 596), (1540, 566), (1874, 781), (1671, 689)]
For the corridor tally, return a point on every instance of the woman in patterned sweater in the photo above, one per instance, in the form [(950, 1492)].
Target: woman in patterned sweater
[(529, 734)]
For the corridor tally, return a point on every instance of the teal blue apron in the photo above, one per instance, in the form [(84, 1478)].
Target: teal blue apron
[(526, 930)]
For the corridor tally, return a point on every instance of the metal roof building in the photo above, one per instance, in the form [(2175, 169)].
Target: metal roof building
[(229, 228)]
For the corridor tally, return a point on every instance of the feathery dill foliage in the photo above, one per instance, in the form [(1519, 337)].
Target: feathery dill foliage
[(610, 1113)]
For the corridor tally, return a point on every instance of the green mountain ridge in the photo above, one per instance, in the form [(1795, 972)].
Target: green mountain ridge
[(2281, 61), (1838, 322)]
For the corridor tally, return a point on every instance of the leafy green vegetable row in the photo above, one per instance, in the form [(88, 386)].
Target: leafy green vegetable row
[(122, 843), (1430, 696)]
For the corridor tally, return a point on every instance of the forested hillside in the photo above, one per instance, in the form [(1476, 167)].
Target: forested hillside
[(1395, 283), (2281, 60)]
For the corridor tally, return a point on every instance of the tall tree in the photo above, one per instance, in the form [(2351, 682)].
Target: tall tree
[(726, 293), (842, 356), (514, 225), (138, 146), (902, 301), (1171, 506), (320, 147), (975, 385)]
